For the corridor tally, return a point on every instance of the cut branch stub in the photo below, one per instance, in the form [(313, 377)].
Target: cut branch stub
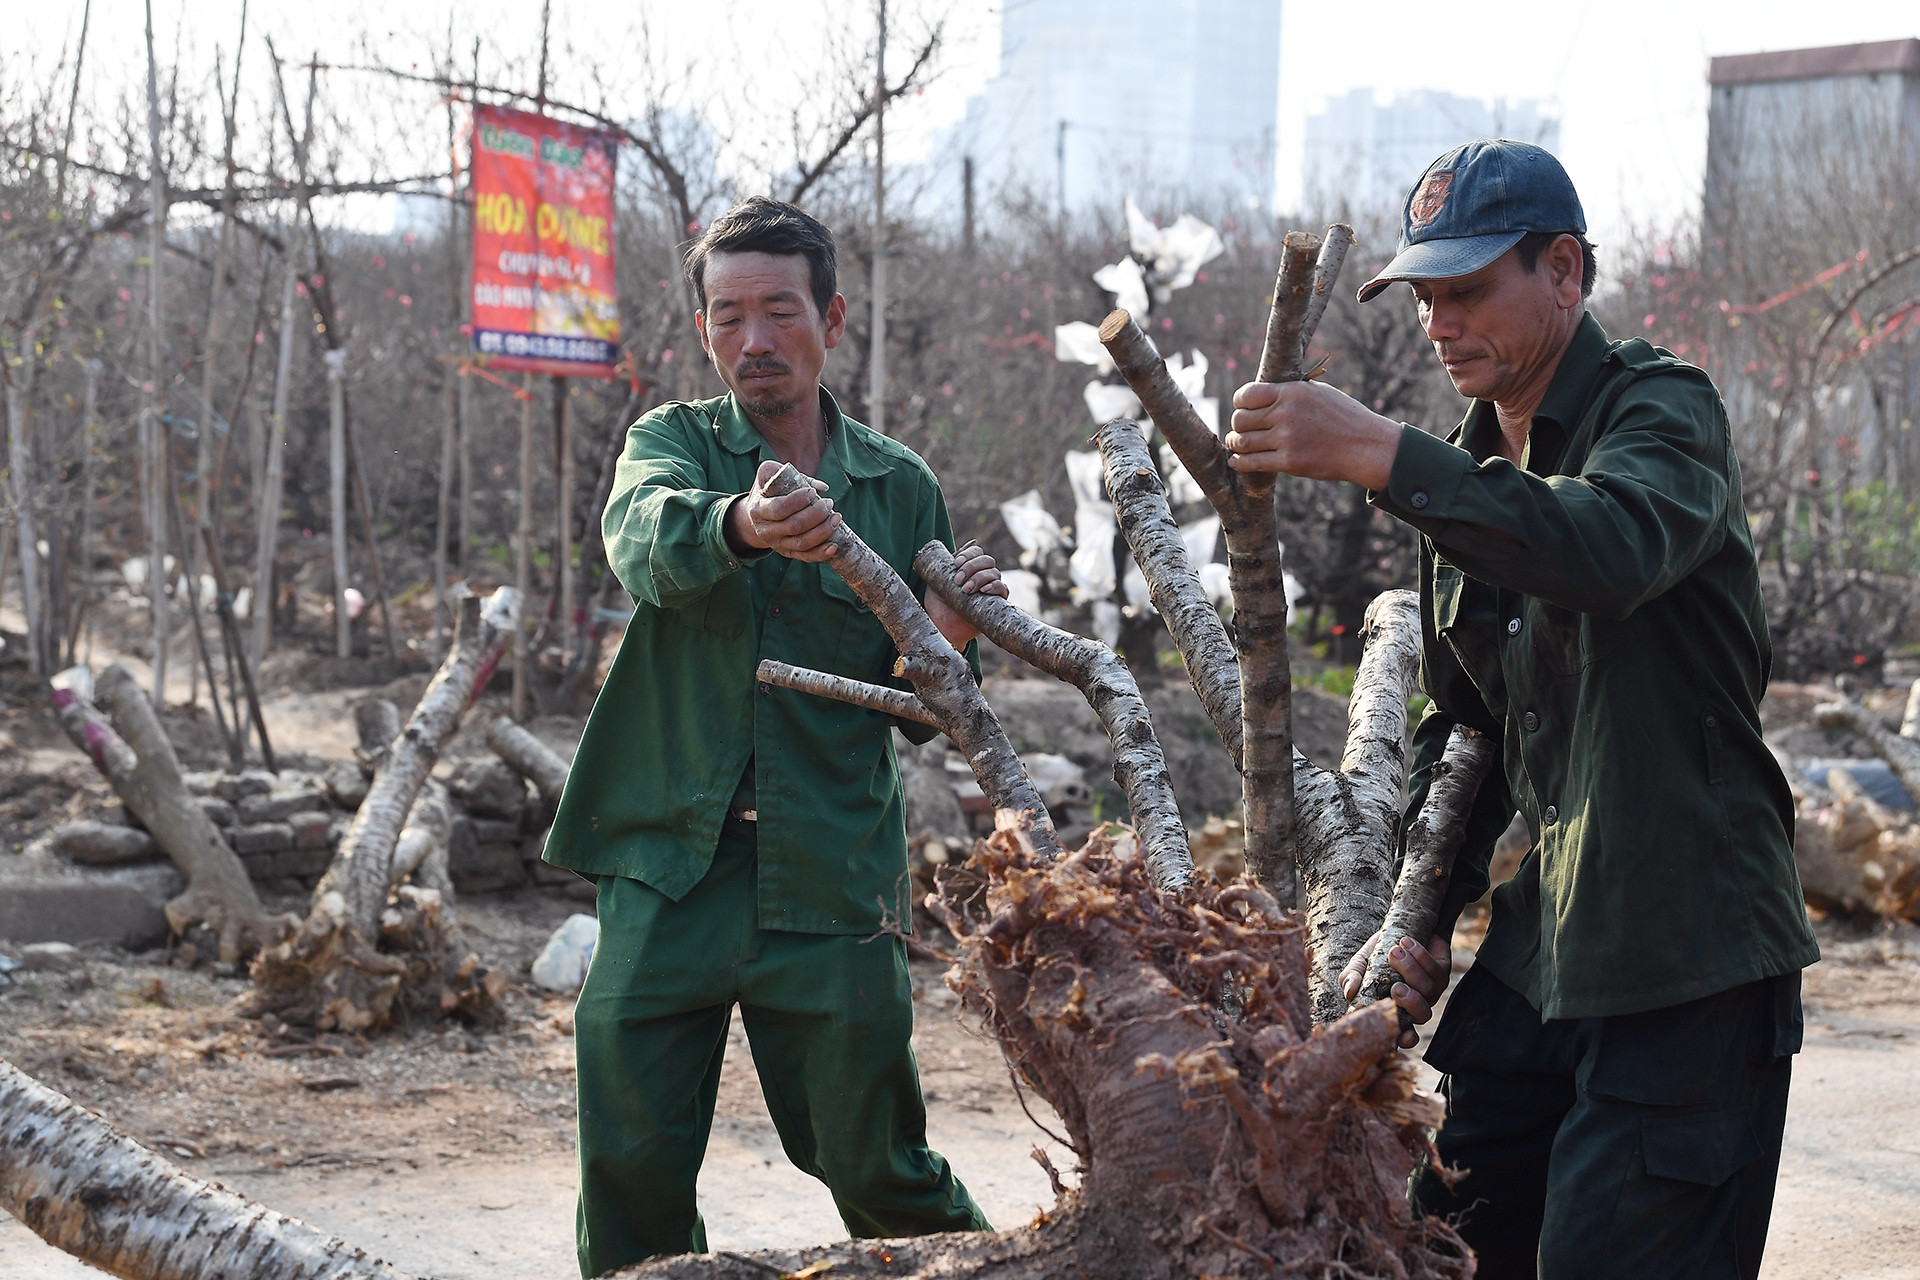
[(1433, 841), (1139, 765), (1146, 520), (145, 773), (1300, 296), (83, 1187), (941, 677), (823, 684)]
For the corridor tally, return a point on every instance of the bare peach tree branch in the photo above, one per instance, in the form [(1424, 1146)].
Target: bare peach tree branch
[(1433, 841), (1139, 764), (941, 677), (1141, 507), (1245, 504), (824, 684)]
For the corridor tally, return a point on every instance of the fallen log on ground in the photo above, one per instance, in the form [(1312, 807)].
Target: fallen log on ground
[(140, 764), (531, 758), (85, 1188), (1901, 752), (331, 973)]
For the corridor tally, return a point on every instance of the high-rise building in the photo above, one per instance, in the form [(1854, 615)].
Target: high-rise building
[(1096, 99), (1361, 156), (1787, 132)]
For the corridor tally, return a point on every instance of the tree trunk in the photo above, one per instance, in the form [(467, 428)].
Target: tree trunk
[(532, 759), (330, 973), (140, 764)]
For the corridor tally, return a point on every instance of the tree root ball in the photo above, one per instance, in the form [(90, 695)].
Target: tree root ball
[(1218, 1132)]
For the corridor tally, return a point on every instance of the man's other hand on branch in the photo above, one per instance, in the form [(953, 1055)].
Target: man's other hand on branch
[(1310, 429), (976, 573), (798, 525)]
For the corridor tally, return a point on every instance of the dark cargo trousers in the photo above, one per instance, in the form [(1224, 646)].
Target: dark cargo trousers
[(1640, 1146), (829, 1019)]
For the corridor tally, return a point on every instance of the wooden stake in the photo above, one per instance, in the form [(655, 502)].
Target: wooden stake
[(523, 549), (563, 541), (337, 496), (153, 435)]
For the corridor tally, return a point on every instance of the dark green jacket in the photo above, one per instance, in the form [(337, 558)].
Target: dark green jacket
[(1600, 612), (681, 713)]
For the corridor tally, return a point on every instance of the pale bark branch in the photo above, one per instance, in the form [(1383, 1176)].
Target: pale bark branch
[(941, 677), (1146, 520), (354, 888), (1901, 753), (1139, 764), (83, 1187), (823, 684), (1433, 841), (1910, 722), (1350, 819), (531, 758), (145, 773)]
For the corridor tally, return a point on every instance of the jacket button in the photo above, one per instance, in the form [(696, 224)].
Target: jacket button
[(1513, 626), (1711, 722), (1417, 499), (765, 687), (1531, 721), (1552, 815), (776, 611)]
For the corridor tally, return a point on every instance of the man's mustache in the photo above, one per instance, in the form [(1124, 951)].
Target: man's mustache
[(761, 365)]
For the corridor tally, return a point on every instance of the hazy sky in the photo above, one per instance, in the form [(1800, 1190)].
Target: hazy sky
[(1631, 90)]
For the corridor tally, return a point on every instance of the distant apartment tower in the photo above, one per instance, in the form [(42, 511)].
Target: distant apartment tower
[(1788, 132), (1360, 156), (1097, 99)]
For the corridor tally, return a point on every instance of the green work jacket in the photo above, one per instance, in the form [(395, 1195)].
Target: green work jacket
[(681, 713), (1599, 612)]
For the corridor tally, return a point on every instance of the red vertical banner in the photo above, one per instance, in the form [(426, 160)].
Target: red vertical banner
[(543, 284)]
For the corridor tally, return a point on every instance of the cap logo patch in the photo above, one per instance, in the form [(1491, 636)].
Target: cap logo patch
[(1429, 200)]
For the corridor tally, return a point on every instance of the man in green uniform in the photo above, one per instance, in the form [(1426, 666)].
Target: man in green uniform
[(749, 842), (1617, 1059)]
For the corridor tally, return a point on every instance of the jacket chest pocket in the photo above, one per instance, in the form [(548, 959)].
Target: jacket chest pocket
[(1559, 643), (862, 647), (723, 611)]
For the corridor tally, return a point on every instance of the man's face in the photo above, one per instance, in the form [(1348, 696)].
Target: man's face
[(1494, 329), (761, 329)]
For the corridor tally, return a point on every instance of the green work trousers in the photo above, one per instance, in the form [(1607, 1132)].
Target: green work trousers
[(829, 1018)]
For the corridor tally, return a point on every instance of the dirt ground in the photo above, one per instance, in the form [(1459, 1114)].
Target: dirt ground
[(451, 1154)]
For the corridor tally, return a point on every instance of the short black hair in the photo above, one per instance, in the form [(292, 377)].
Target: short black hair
[(1535, 243), (760, 225)]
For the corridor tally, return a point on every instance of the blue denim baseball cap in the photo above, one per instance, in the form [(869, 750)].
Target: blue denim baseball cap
[(1472, 205)]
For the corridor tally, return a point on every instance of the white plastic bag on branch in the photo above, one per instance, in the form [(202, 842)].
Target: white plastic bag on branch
[(1128, 285), (1032, 526), (1106, 622), (1091, 565), (1182, 489), (1078, 342), (1023, 590), (1139, 594), (1201, 538), (1174, 253), (1109, 400)]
